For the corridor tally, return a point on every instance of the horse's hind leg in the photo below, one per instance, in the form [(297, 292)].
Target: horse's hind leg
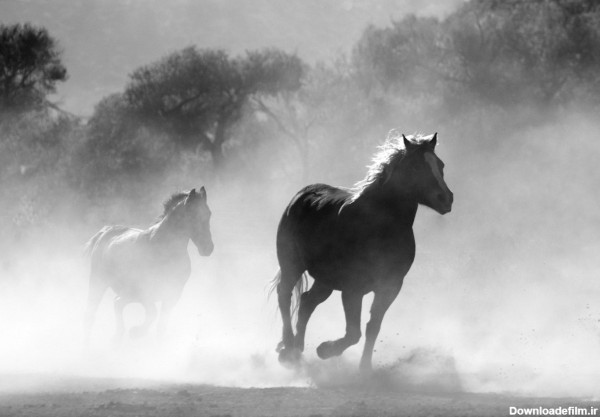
[(308, 302), (352, 302), (288, 278)]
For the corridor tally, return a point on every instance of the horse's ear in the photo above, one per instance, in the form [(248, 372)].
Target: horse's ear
[(408, 145), (191, 196), (431, 144), (202, 193)]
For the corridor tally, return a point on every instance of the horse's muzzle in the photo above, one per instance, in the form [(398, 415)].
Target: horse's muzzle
[(206, 249), (443, 202), (444, 210)]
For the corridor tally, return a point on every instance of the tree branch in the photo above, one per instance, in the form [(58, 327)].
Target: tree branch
[(278, 122)]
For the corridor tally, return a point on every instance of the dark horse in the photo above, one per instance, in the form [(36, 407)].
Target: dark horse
[(148, 266), (356, 241)]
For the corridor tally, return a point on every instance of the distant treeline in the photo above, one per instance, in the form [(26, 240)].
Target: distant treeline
[(267, 115)]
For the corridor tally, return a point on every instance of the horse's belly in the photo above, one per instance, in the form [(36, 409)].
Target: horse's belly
[(361, 270), (147, 288), (343, 280), (139, 278)]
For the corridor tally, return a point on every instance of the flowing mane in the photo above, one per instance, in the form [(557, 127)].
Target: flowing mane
[(390, 153), (170, 203)]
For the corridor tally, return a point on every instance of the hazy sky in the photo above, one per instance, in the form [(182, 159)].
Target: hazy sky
[(105, 40)]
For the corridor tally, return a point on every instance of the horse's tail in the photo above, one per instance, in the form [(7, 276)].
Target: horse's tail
[(299, 288)]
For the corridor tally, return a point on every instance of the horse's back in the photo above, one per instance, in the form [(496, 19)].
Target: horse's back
[(317, 200), (104, 236), (126, 260), (97, 247), (339, 244), (311, 209)]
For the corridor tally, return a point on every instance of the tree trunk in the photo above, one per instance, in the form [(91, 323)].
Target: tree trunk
[(220, 137)]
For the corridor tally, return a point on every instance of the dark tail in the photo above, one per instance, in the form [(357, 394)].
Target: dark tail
[(299, 289)]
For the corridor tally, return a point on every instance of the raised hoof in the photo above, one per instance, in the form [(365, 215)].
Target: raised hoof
[(289, 357), (326, 350)]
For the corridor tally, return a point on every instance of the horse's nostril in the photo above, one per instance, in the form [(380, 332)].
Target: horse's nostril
[(445, 198)]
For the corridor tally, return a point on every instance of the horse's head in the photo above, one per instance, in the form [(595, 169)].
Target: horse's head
[(421, 174), (197, 216)]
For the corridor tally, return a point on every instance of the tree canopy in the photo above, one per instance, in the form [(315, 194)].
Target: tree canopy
[(499, 52), (30, 66), (198, 95)]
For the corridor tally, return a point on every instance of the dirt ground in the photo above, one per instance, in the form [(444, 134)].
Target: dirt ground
[(53, 396)]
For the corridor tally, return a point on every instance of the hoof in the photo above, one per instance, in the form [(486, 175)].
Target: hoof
[(366, 370), (326, 350), (289, 357)]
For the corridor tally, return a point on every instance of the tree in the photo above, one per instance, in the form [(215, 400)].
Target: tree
[(119, 151), (330, 110), (30, 67), (525, 51), (407, 54), (500, 53), (198, 96)]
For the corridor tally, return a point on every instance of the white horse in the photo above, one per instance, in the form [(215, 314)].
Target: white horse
[(148, 266)]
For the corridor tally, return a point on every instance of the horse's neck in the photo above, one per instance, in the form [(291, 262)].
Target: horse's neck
[(167, 232), (385, 203)]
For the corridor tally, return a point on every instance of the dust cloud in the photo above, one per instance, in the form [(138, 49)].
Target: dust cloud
[(502, 296)]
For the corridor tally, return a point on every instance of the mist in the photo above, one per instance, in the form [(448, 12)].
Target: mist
[(502, 296)]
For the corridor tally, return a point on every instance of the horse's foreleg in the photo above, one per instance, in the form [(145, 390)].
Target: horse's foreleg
[(151, 314), (381, 302), (352, 308), (308, 302)]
